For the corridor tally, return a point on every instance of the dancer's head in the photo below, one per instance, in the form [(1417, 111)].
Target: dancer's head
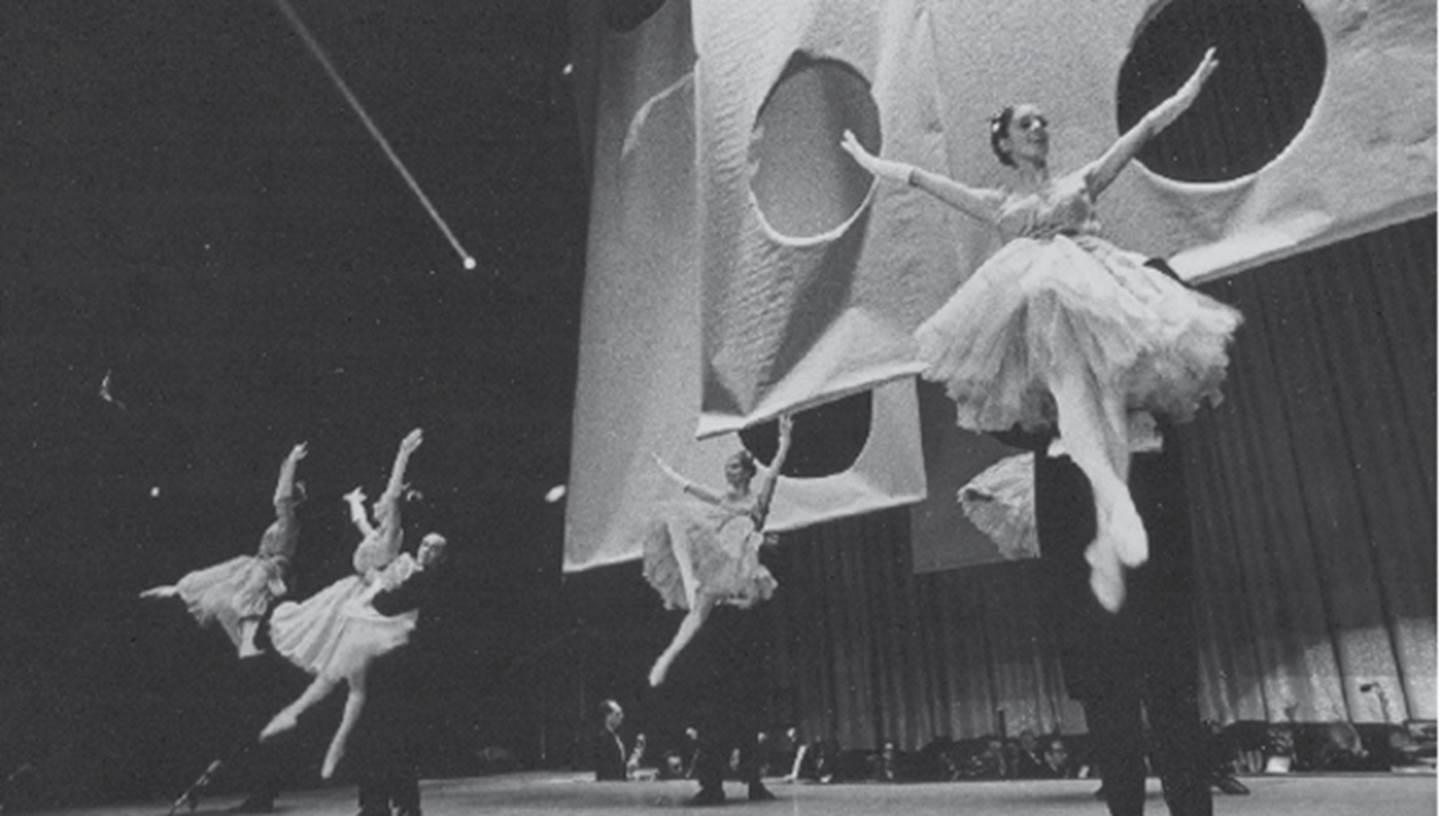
[(431, 550), (740, 469), (1020, 132), (611, 714)]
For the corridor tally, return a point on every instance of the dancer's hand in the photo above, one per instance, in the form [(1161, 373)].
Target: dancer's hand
[(1192, 86), (356, 496), (411, 441), (787, 425), (300, 451), (889, 170), (1170, 110)]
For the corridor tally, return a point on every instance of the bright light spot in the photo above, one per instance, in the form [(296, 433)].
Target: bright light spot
[(155, 492), (555, 494), (469, 262), (568, 69)]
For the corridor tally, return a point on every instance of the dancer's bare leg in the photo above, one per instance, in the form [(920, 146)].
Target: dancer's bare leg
[(1093, 429), (289, 716), (694, 619), (354, 705), (166, 591)]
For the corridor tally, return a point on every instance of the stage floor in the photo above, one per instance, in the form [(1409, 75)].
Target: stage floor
[(569, 793)]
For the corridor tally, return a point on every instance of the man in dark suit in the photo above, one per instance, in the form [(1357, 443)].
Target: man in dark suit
[(388, 739), (720, 681), (1144, 655), (608, 751)]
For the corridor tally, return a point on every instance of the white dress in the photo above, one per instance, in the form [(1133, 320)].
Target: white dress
[(334, 633), (237, 592), (724, 547), (1061, 327)]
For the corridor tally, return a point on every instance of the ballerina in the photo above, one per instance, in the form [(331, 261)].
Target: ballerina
[(331, 634), (236, 593), (700, 554), (1062, 327)]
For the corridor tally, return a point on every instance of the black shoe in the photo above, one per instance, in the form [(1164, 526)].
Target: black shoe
[(760, 793), (707, 797), (1231, 786)]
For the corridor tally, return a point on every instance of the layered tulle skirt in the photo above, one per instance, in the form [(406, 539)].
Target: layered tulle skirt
[(1039, 307), (724, 551), (232, 592), (336, 632), (1000, 502)]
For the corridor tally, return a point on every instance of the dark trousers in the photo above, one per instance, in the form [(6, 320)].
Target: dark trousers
[(385, 747), (720, 681), (263, 770), (1139, 663)]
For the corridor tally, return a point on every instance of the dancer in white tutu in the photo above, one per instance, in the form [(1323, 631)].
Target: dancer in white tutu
[(706, 552), (236, 593), (1061, 327), (334, 634)]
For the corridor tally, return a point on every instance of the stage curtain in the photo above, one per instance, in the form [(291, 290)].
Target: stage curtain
[(1313, 505)]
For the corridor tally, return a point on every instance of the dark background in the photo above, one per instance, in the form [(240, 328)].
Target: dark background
[(187, 202)]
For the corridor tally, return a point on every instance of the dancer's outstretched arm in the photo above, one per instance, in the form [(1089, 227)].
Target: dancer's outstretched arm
[(389, 502), (1099, 175), (977, 202), (685, 484), (768, 476), (285, 486)]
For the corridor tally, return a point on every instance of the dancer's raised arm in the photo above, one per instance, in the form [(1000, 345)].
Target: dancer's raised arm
[(396, 485), (977, 202), (685, 484), (1099, 175), (285, 486), (770, 475)]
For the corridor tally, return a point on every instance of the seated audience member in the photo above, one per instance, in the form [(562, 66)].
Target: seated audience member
[(637, 757), (1029, 759), (1055, 760)]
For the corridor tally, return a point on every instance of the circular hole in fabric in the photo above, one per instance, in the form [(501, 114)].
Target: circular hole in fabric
[(1272, 66), (826, 439), (804, 184)]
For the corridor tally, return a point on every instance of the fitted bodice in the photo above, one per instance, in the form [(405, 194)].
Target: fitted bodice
[(1062, 207)]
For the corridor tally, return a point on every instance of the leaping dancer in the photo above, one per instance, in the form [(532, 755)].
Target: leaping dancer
[(235, 594)]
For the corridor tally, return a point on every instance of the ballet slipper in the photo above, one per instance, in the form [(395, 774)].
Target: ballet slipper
[(333, 755), (659, 670), (1107, 576), (282, 722), (1125, 530)]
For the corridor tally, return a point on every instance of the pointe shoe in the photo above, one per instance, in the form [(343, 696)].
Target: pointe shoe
[(1126, 532), (657, 673), (282, 722), (1107, 576), (332, 761)]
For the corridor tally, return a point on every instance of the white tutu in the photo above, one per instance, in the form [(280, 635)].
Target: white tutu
[(724, 549), (1000, 502)]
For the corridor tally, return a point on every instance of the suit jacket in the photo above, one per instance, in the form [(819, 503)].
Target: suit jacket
[(608, 752), (1151, 640)]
